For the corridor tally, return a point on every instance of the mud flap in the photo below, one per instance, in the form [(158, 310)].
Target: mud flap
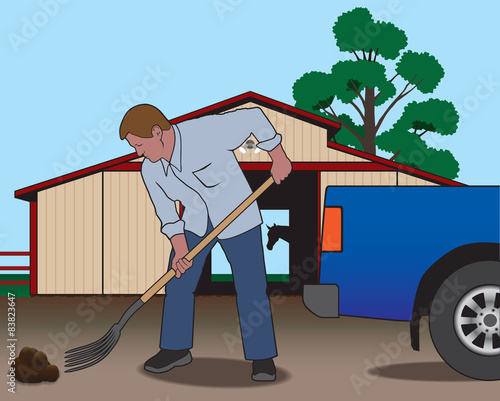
[(321, 299), (415, 333)]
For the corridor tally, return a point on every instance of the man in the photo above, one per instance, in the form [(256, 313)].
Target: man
[(193, 162)]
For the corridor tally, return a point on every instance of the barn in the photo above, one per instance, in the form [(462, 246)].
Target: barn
[(94, 231)]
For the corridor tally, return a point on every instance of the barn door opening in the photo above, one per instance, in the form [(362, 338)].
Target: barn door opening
[(292, 262), (275, 237)]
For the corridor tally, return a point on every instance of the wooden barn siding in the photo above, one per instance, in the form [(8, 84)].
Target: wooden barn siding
[(406, 179), (136, 252), (70, 237), (302, 142)]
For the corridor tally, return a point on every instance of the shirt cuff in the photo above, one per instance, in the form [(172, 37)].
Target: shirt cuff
[(270, 144), (171, 229)]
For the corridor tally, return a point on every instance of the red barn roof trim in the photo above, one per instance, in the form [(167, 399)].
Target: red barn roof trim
[(396, 166), (29, 193)]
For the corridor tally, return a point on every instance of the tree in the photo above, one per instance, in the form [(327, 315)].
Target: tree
[(364, 85)]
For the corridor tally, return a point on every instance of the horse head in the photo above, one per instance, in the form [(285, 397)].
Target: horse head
[(272, 236)]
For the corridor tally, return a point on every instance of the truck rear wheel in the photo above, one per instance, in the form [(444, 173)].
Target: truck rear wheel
[(465, 320)]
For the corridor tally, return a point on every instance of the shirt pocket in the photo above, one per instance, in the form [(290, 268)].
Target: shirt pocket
[(207, 176)]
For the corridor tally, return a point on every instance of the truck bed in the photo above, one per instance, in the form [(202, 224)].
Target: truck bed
[(392, 235)]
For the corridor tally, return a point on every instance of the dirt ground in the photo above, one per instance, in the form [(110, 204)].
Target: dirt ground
[(321, 358)]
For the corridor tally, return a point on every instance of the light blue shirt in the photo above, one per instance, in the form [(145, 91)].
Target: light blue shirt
[(204, 175)]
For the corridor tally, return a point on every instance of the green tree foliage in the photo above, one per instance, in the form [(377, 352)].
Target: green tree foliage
[(357, 31), (404, 139), (363, 83), (421, 65)]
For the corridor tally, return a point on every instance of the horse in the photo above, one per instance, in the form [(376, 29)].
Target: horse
[(275, 233)]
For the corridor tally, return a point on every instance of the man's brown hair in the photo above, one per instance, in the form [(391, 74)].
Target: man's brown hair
[(140, 119)]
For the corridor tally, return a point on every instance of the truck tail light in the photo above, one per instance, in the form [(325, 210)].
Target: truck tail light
[(332, 230)]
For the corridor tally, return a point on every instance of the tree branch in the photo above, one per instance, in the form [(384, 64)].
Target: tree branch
[(364, 54), (418, 83), (357, 92), (376, 52), (416, 127), (393, 77), (423, 132), (332, 114), (370, 55), (355, 53), (357, 109), (395, 155), (407, 85), (397, 99)]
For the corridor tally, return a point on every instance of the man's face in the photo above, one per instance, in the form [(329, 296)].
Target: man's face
[(150, 148)]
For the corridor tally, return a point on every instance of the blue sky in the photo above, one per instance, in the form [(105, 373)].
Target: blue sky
[(70, 69)]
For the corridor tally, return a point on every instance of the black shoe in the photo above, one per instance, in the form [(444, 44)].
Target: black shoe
[(167, 359), (263, 370)]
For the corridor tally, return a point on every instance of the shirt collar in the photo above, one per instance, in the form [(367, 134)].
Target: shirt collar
[(176, 159)]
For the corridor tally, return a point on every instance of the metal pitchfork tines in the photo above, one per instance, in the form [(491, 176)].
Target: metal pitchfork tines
[(90, 354)]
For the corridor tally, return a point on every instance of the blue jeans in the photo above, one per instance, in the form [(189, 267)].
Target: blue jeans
[(244, 253)]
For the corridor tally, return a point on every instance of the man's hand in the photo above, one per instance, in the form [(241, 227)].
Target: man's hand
[(180, 249), (281, 164)]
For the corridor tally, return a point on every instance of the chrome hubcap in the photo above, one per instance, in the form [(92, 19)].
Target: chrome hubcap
[(477, 320)]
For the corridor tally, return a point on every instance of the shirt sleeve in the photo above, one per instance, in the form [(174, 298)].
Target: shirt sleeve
[(165, 208), (232, 128)]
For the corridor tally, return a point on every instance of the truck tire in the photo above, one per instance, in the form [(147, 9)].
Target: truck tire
[(465, 320)]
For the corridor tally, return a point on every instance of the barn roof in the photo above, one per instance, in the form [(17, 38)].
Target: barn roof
[(30, 193)]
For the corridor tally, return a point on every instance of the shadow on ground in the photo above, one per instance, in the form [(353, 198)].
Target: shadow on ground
[(421, 371), (215, 372)]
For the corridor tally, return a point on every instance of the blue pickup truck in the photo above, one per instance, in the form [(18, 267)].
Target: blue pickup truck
[(401, 253)]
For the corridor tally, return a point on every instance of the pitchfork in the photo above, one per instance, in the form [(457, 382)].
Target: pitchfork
[(88, 355)]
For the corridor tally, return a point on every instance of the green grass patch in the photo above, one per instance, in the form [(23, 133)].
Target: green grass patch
[(225, 278), (14, 277), (17, 290)]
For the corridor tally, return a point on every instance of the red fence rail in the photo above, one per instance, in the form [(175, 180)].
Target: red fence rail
[(14, 253)]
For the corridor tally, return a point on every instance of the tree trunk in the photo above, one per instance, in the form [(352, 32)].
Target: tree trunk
[(369, 121)]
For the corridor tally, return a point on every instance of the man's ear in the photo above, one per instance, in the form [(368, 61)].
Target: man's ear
[(156, 130)]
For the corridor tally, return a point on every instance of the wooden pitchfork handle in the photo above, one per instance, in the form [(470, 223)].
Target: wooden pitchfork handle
[(203, 243)]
